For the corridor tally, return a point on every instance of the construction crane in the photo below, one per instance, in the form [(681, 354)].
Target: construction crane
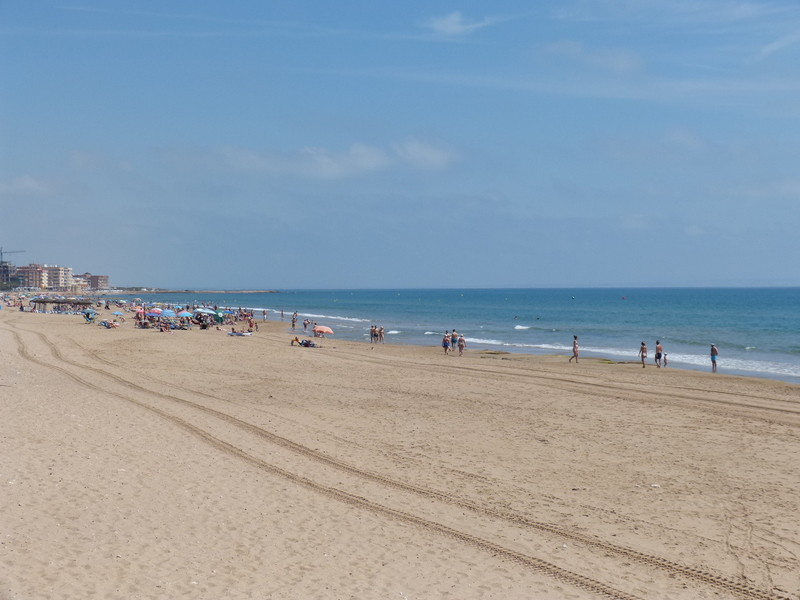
[(3, 252)]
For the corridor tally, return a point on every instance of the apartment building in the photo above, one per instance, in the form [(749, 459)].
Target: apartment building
[(33, 276), (58, 278)]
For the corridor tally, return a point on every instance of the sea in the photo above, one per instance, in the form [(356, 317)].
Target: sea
[(757, 330)]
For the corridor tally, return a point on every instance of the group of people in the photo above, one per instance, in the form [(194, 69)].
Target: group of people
[(453, 340), (660, 356), (376, 335)]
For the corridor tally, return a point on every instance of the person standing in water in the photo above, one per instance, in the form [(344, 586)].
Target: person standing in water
[(714, 353), (574, 349), (643, 353)]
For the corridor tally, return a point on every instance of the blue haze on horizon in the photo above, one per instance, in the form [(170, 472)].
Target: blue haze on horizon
[(255, 145)]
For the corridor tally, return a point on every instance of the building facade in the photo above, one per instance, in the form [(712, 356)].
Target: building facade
[(58, 278), (7, 272), (32, 276), (98, 282)]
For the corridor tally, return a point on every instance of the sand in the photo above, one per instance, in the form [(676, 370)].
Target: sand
[(139, 464)]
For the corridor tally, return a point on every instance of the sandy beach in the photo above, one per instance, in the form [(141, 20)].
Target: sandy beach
[(138, 464)]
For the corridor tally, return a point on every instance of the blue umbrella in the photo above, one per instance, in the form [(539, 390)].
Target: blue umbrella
[(116, 312), (167, 313), (184, 314), (152, 314)]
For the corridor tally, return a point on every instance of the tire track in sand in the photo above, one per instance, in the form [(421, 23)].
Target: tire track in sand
[(741, 589)]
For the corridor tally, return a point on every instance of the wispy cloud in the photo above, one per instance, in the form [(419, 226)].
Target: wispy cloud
[(454, 24), (620, 62), (780, 44), (424, 155), (24, 186), (670, 12), (317, 163)]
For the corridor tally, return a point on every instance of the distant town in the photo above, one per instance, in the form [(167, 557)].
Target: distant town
[(50, 278)]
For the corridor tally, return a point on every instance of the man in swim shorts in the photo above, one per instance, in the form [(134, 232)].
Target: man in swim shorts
[(446, 342), (643, 353), (659, 353), (714, 353)]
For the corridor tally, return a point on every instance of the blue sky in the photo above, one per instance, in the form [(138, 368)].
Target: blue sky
[(252, 145)]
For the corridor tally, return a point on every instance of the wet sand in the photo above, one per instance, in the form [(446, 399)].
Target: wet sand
[(139, 464)]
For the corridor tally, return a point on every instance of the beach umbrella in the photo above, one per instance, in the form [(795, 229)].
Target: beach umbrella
[(116, 312), (323, 329), (167, 313), (228, 312), (155, 310), (184, 313), (206, 311), (139, 309), (89, 311), (152, 314)]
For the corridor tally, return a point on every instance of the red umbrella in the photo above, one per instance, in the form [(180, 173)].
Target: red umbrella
[(322, 329)]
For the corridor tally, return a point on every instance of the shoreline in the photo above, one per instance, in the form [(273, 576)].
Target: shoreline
[(765, 366)]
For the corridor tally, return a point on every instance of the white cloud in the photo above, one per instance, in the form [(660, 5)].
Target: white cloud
[(315, 163), (670, 12), (620, 62), (780, 44), (684, 139), (424, 155), (693, 231), (25, 186), (454, 24), (783, 190), (635, 222)]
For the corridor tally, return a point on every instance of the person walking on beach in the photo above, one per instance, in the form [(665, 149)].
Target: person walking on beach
[(659, 353), (643, 353), (714, 353), (446, 342), (462, 343), (453, 340), (574, 349), (294, 323)]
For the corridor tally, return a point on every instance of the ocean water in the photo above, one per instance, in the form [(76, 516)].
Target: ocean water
[(757, 330)]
